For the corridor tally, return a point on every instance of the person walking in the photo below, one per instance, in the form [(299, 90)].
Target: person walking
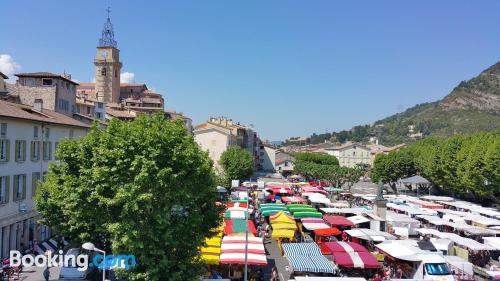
[(274, 274), (46, 274)]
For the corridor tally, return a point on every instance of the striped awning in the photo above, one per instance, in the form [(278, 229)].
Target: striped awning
[(307, 257), (235, 214), (351, 255), (211, 252), (233, 250), (314, 223)]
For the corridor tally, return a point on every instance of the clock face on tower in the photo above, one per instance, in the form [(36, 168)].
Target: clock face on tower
[(104, 54)]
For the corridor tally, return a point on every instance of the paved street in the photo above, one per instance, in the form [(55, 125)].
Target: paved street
[(36, 274), (274, 258)]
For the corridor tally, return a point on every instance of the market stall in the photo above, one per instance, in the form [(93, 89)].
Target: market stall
[(306, 257), (313, 223), (233, 250), (351, 255), (283, 226), (293, 200), (235, 226), (338, 221), (210, 254)]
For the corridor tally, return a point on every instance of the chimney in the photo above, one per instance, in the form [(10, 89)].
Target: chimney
[(38, 105)]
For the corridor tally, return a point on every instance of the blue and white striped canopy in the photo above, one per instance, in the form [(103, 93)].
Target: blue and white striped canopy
[(303, 249), (307, 257)]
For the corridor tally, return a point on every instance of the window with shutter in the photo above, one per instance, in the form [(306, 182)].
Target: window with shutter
[(15, 187), (23, 196), (4, 150), (3, 129), (35, 150), (35, 177), (47, 150), (3, 189)]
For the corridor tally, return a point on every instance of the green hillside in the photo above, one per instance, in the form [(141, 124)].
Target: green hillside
[(473, 106)]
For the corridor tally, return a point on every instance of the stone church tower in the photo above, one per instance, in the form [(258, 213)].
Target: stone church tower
[(107, 66)]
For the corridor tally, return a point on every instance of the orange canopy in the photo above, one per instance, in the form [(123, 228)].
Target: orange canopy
[(332, 231)]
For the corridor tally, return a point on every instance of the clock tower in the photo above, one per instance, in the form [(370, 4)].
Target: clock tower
[(107, 66)]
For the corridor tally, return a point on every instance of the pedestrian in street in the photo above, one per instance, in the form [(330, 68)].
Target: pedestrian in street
[(274, 274), (46, 274)]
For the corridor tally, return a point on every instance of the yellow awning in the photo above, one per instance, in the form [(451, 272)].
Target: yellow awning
[(283, 233), (281, 217), (284, 226)]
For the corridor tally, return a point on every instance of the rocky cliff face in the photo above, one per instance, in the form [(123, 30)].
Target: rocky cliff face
[(480, 93)]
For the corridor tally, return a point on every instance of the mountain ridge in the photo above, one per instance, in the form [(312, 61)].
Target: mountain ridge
[(472, 106)]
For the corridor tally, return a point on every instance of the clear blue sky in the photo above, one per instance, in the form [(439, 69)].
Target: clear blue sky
[(288, 67)]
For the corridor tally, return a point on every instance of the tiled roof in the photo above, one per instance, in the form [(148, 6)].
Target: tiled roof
[(92, 84), (133, 85), (121, 113), (3, 75), (45, 75), (21, 111), (86, 85)]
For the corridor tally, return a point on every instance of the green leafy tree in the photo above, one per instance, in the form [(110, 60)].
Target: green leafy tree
[(237, 164), (464, 165), (143, 188)]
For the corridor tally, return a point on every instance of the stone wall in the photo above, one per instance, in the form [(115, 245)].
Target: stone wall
[(27, 95)]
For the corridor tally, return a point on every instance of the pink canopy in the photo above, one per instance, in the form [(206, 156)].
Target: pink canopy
[(293, 199), (308, 188), (338, 221), (351, 255)]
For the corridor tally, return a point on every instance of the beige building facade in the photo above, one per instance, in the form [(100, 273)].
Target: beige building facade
[(351, 154), (215, 141), (28, 141), (236, 134)]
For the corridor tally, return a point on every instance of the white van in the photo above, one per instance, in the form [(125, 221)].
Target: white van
[(433, 267), (72, 273)]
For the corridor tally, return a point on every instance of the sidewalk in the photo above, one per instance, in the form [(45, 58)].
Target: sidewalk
[(35, 273), (274, 258)]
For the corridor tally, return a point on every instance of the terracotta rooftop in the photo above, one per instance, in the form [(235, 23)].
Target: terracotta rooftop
[(45, 75), (21, 111), (121, 113)]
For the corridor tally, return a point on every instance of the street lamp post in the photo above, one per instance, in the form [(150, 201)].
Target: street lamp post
[(246, 240), (91, 247)]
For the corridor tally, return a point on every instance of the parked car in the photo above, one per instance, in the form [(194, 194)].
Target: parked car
[(72, 272)]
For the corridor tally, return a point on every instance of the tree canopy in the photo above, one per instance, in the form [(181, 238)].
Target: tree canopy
[(465, 165), (142, 187), (237, 164)]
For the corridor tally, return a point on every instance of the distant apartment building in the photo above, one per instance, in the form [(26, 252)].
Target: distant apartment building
[(173, 115), (350, 154), (283, 163), (3, 84), (267, 157), (58, 92), (217, 134), (376, 149), (29, 136)]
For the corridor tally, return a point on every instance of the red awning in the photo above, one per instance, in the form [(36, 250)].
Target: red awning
[(238, 226), (345, 247), (237, 205), (338, 221), (351, 255), (280, 189), (332, 231)]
